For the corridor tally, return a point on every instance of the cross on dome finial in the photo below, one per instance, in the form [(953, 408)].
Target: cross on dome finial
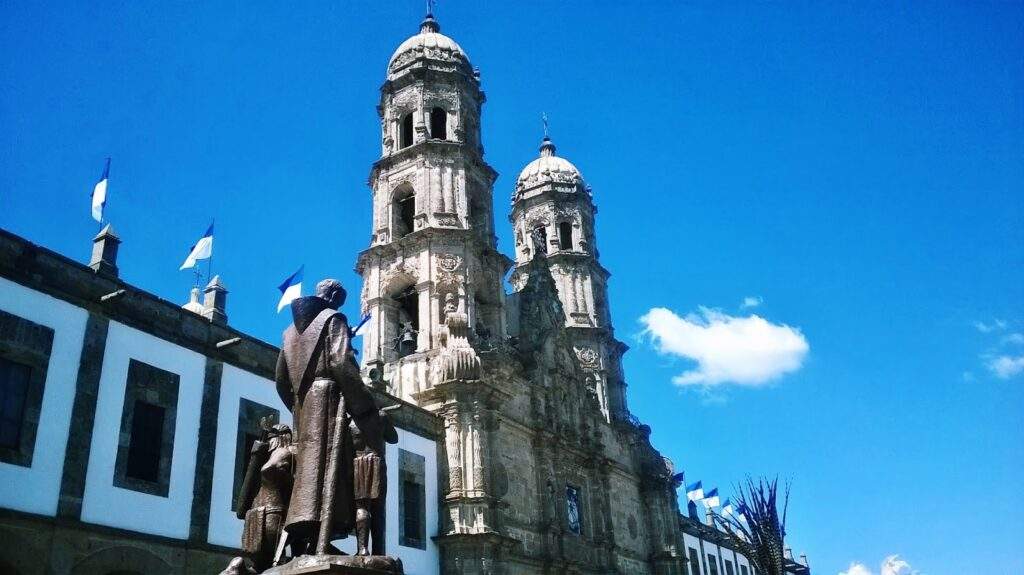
[(429, 24), (547, 147)]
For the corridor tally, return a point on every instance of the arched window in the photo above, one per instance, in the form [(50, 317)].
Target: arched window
[(404, 212), (438, 124), (405, 131), (539, 236), (407, 321), (565, 236)]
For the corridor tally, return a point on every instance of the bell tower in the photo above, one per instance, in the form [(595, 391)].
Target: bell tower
[(553, 217), (432, 240)]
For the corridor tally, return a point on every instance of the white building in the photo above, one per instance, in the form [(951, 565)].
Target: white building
[(125, 422)]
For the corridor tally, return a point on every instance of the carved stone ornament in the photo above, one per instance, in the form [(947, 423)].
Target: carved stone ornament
[(449, 220), (399, 273), (458, 358), (567, 212), (587, 355), (449, 262)]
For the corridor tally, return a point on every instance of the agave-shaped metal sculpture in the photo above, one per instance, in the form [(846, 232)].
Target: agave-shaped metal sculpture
[(756, 530)]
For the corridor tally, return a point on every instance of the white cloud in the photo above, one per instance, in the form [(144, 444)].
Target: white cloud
[(996, 325), (892, 565), (751, 301), (1017, 338), (1006, 366), (856, 569), (744, 350)]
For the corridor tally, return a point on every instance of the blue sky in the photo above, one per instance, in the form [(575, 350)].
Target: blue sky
[(856, 166)]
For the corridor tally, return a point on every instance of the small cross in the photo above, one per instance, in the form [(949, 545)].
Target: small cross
[(544, 120)]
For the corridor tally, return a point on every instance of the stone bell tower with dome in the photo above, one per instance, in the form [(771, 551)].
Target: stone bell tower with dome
[(433, 219), (553, 217), (432, 277)]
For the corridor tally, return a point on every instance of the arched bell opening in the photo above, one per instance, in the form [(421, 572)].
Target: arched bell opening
[(438, 124)]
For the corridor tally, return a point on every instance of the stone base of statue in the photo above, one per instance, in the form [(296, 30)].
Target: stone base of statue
[(339, 564)]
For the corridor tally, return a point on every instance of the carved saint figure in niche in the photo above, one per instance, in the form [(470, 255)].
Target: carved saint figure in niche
[(266, 489)]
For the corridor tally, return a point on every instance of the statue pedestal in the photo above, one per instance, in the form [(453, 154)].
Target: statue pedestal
[(340, 565)]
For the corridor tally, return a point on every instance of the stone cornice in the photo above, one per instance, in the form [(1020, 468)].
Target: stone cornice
[(418, 72), (435, 146), (470, 237)]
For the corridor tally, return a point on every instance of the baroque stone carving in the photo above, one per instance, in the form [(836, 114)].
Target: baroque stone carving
[(588, 356), (458, 359), (449, 262), (450, 220)]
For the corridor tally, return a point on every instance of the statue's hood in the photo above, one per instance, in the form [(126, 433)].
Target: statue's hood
[(305, 310)]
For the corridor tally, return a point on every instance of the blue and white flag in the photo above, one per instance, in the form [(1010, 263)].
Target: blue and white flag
[(99, 194), (727, 508), (291, 289), (362, 327), (695, 492), (711, 499), (202, 250)]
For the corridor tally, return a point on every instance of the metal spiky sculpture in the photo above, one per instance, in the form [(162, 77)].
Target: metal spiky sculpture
[(757, 531)]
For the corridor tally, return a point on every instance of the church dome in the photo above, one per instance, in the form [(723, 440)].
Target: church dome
[(429, 43), (548, 168)]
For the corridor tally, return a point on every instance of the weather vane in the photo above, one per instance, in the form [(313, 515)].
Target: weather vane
[(544, 120), (430, 7)]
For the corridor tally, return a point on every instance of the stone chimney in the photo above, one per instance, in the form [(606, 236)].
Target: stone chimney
[(215, 300), (104, 252)]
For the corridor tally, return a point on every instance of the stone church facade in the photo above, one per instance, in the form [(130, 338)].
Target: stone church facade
[(517, 451), (545, 469)]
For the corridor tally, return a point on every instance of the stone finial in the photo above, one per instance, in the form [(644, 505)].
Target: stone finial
[(789, 553), (215, 300), (547, 147), (429, 25), (709, 517), (104, 252), (193, 304), (803, 560), (458, 358)]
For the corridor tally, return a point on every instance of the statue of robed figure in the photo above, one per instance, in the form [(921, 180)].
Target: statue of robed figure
[(339, 478)]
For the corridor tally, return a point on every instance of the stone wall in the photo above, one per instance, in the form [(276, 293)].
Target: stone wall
[(34, 545)]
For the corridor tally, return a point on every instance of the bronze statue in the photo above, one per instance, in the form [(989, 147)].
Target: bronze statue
[(339, 476), (369, 473), (318, 380), (265, 492)]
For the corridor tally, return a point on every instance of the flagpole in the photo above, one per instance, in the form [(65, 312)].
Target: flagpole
[(103, 213), (209, 260)]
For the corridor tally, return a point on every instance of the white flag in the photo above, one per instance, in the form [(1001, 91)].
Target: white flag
[(202, 250), (99, 194)]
